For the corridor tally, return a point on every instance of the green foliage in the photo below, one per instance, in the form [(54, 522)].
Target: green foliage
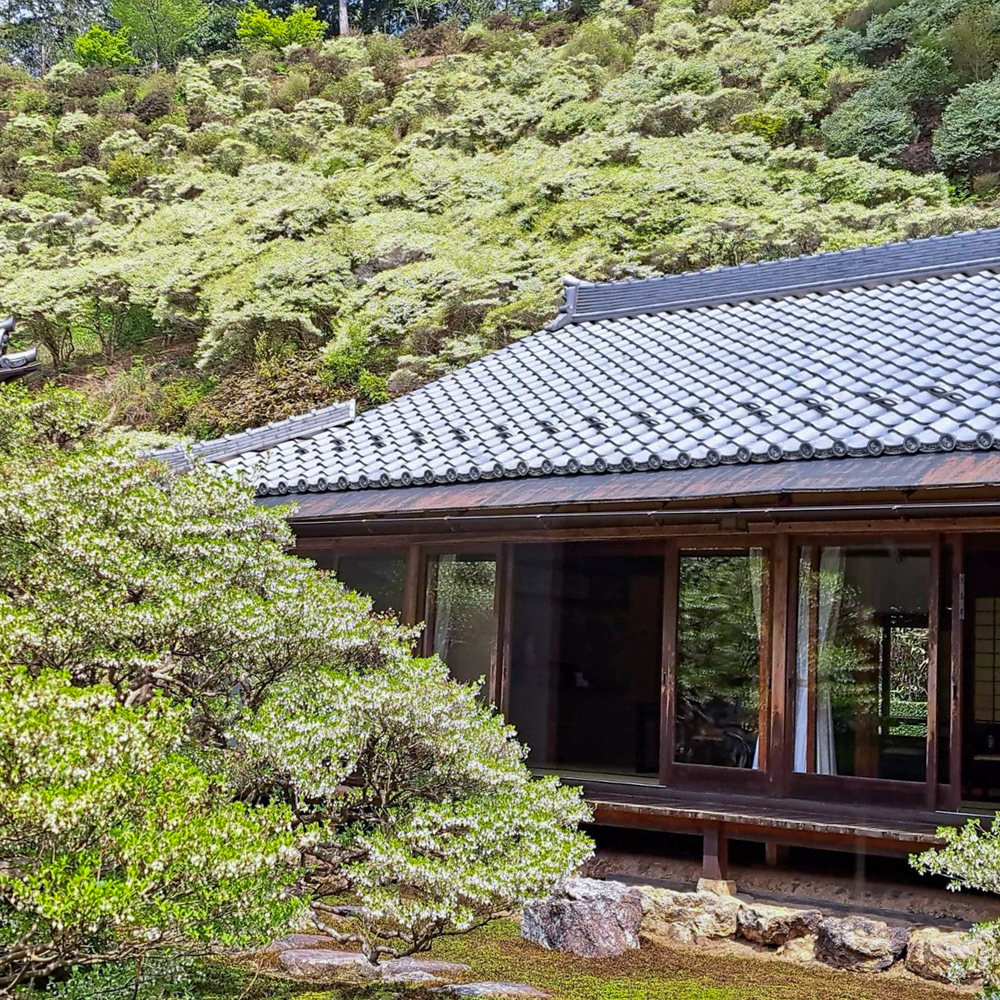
[(125, 169), (154, 630), (158, 28), (258, 28), (122, 844), (969, 861), (969, 138), (382, 221), (99, 47), (876, 124)]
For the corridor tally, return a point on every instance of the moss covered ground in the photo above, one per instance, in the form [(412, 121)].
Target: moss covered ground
[(498, 953)]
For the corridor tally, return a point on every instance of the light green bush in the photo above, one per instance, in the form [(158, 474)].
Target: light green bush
[(99, 47)]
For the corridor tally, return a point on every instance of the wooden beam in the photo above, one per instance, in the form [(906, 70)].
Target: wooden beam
[(412, 586), (957, 544), (668, 671), (708, 533), (933, 638)]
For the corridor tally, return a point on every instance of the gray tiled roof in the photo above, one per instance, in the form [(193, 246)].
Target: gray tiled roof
[(887, 350)]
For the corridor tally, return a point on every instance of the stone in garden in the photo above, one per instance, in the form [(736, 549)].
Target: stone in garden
[(419, 970), (931, 954), (586, 917), (687, 917), (319, 965), (499, 990), (776, 925), (801, 950), (293, 942), (859, 943)]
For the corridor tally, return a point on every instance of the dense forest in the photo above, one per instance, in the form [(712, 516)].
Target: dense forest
[(214, 216)]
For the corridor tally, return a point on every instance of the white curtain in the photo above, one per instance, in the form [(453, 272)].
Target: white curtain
[(757, 587), (442, 605), (831, 587)]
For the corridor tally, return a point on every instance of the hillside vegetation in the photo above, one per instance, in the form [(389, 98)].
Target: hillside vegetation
[(250, 234)]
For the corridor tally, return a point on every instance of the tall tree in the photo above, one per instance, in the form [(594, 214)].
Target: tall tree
[(37, 33), (158, 27)]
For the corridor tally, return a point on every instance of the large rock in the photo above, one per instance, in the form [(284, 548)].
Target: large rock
[(776, 925), (687, 917), (324, 965), (499, 990), (935, 954), (586, 917), (859, 943)]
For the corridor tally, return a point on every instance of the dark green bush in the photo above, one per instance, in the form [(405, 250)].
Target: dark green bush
[(875, 124), (968, 141)]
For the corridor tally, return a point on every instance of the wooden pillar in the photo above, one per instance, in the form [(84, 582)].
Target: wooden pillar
[(933, 636), (503, 606), (779, 760), (668, 665), (412, 586), (715, 864), (957, 544), (765, 659)]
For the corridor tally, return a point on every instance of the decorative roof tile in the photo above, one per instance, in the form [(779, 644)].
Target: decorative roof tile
[(880, 351)]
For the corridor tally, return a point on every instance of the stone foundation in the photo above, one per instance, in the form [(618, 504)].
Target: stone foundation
[(594, 919)]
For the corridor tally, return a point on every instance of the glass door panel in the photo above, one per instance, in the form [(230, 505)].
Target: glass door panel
[(461, 612), (722, 605)]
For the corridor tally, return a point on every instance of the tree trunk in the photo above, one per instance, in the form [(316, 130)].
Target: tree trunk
[(345, 28)]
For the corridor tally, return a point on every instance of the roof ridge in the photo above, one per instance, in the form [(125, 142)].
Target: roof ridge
[(258, 439), (887, 263)]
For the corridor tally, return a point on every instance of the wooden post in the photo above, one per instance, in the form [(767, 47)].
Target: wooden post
[(765, 658), (668, 665), (715, 864), (503, 604), (412, 598), (933, 637), (957, 543), (813, 658), (779, 759)]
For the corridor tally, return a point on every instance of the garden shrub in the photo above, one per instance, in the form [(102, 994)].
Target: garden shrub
[(876, 124), (969, 138), (125, 169)]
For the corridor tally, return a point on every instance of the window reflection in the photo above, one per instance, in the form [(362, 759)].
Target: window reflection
[(861, 662), (461, 590), (382, 576), (720, 617)]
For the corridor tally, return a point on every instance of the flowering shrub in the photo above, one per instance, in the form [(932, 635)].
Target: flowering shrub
[(455, 833), (113, 843), (150, 621), (970, 859)]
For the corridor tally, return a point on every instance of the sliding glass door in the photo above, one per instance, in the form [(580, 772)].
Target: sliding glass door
[(585, 650), (861, 661), (722, 609)]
